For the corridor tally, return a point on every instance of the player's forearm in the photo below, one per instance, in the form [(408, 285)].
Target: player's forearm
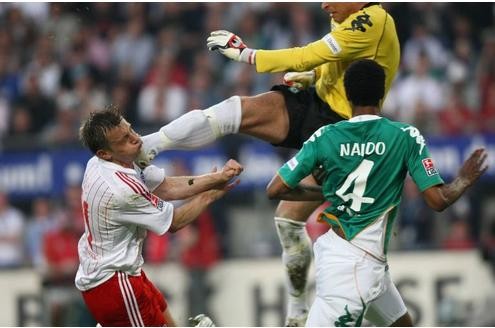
[(175, 188), (188, 212), (452, 191), (441, 197), (300, 193)]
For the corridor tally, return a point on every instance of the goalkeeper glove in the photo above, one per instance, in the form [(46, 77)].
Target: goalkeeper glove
[(231, 46), (299, 80)]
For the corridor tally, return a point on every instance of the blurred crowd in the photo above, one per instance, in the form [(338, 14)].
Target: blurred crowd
[(60, 61)]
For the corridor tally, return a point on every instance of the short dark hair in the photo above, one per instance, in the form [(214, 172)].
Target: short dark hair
[(93, 131), (364, 82)]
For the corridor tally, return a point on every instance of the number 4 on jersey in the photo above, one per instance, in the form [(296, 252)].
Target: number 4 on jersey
[(360, 177)]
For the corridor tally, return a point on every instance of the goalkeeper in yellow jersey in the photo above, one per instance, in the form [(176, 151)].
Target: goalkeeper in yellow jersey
[(313, 95)]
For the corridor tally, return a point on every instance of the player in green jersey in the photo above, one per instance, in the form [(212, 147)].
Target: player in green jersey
[(367, 159)]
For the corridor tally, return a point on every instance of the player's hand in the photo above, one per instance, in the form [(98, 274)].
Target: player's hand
[(215, 194), (474, 166), (300, 80), (230, 45), (230, 170)]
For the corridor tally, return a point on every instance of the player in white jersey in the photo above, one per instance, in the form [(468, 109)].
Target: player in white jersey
[(366, 159), (120, 203)]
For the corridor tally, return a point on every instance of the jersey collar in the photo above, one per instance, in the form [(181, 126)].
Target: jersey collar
[(115, 167), (364, 118)]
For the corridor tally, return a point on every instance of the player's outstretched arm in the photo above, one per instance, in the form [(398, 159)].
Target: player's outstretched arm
[(277, 189), (441, 197), (174, 188), (189, 211)]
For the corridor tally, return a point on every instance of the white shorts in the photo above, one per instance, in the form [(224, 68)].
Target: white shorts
[(351, 285)]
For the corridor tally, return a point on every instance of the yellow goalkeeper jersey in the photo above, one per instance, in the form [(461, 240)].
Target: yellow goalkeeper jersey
[(367, 34)]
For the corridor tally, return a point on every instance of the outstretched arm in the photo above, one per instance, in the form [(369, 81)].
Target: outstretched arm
[(188, 212), (173, 188), (277, 189), (442, 196)]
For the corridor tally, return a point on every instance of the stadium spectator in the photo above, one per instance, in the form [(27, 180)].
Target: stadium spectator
[(417, 97), (424, 44), (456, 118), (415, 219), (459, 236), (163, 99), (132, 50), (200, 252), (12, 227), (41, 222), (21, 129), (41, 108), (59, 246), (45, 67), (61, 131)]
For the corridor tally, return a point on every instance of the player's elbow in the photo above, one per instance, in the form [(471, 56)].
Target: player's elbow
[(173, 228), (276, 188), (435, 199), (437, 205), (272, 193)]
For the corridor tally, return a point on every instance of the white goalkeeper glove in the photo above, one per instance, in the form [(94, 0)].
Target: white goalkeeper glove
[(231, 46), (300, 80)]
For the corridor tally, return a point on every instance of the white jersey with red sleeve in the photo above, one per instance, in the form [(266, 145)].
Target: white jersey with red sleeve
[(118, 210)]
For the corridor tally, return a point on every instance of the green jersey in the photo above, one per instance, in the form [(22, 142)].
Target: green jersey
[(366, 160)]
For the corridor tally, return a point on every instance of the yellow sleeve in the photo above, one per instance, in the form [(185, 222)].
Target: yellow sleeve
[(297, 59), (342, 44)]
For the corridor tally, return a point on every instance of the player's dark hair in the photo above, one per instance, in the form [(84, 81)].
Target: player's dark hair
[(93, 131), (364, 82)]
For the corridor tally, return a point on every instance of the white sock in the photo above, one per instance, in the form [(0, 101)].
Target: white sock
[(198, 128), (296, 256), (192, 130)]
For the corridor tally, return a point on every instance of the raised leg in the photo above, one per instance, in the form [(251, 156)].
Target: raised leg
[(263, 116)]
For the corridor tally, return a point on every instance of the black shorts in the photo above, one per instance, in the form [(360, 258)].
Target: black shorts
[(307, 113)]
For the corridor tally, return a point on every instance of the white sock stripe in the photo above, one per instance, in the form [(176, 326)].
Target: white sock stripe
[(124, 296), (299, 223), (134, 301)]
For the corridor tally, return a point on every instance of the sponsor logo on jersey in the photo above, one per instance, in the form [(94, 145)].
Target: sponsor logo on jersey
[(414, 133), (358, 23), (332, 44), (429, 166), (344, 320), (292, 163)]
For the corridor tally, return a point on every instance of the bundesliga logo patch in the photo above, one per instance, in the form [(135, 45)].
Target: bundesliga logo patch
[(292, 163), (429, 167)]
